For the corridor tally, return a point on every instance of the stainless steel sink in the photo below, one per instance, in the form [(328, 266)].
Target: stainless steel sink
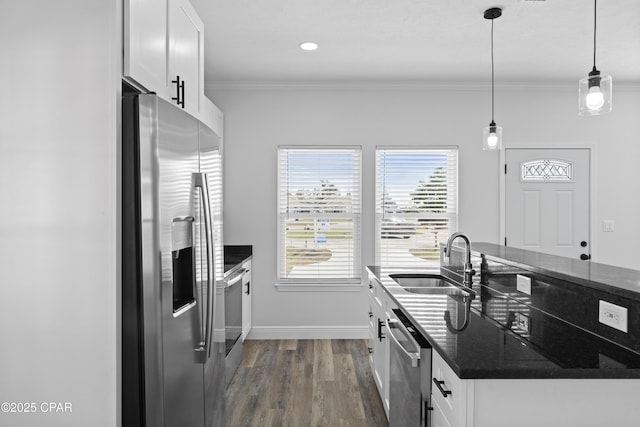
[(421, 281), (446, 290), (430, 284)]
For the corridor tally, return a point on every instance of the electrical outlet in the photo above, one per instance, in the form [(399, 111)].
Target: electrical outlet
[(608, 225), (522, 322), (612, 315), (523, 284)]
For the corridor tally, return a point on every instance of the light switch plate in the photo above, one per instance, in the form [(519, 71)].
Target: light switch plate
[(612, 315), (523, 284)]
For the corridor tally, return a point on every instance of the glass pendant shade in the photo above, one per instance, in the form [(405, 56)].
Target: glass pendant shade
[(492, 134), (594, 94), (492, 137)]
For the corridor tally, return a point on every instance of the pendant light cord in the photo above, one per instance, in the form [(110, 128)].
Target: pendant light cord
[(492, 89), (595, 21)]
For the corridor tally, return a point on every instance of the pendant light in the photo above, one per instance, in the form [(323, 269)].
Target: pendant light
[(492, 134), (594, 91)]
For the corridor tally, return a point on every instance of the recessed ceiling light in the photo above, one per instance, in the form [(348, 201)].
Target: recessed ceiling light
[(308, 45)]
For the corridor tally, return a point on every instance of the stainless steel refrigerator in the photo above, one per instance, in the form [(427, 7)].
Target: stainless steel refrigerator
[(173, 332)]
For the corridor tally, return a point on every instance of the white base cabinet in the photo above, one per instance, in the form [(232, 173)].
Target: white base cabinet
[(532, 402), (247, 292), (380, 306)]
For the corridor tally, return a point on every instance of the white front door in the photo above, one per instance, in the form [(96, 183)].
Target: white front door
[(547, 200)]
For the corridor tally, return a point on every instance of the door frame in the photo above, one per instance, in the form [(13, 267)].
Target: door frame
[(593, 237)]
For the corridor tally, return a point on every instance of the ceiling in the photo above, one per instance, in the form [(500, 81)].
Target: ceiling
[(410, 41)]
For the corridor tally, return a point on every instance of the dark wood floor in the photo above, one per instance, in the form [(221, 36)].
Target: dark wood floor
[(300, 383)]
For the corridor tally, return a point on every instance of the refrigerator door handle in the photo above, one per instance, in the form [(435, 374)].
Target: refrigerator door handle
[(200, 180)]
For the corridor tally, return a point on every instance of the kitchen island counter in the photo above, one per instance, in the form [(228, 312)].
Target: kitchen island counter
[(505, 339)]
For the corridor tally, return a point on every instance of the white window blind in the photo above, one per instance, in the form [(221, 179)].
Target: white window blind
[(416, 204), (319, 214)]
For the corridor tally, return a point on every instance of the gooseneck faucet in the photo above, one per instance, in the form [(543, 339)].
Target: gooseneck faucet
[(468, 268)]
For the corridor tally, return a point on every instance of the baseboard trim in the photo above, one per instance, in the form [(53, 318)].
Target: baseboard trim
[(307, 332)]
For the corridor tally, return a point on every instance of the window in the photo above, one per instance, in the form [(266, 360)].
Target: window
[(416, 204), (319, 214), (547, 170)]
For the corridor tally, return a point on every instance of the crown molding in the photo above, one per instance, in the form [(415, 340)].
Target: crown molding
[(400, 86)]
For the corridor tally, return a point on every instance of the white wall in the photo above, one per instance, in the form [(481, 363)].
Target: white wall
[(259, 118), (59, 318)]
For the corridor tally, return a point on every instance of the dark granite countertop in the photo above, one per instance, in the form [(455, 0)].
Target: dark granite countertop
[(234, 255), (505, 339), (620, 281)]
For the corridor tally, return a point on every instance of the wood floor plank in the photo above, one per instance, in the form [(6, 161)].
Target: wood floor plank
[(250, 350), (267, 418), (372, 405), (304, 353), (297, 410), (339, 346), (278, 385), (300, 383), (288, 345), (323, 406), (242, 411), (322, 361), (349, 405)]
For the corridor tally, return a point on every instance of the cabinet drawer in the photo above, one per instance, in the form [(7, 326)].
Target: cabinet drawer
[(454, 405)]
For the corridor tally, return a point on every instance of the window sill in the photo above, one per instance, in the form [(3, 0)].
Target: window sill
[(319, 287)]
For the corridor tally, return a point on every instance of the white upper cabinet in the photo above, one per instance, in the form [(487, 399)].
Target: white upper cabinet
[(164, 53), (145, 44), (186, 55)]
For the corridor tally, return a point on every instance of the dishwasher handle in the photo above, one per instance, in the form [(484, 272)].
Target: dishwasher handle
[(393, 324), (235, 278)]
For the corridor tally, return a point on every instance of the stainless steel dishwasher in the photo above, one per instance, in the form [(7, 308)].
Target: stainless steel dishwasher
[(409, 374)]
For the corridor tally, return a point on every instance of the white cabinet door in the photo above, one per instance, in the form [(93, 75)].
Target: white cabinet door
[(247, 293), (438, 419), (449, 395), (372, 330), (164, 53), (186, 53), (145, 44), (380, 344)]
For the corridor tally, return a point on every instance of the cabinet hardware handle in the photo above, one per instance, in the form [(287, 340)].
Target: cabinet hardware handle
[(177, 97), (370, 350), (370, 285), (380, 334), (585, 257), (370, 314), (439, 384), (182, 92)]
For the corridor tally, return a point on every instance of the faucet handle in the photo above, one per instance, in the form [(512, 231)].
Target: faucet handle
[(468, 268)]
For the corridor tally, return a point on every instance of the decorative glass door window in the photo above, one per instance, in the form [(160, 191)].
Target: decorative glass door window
[(547, 170)]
